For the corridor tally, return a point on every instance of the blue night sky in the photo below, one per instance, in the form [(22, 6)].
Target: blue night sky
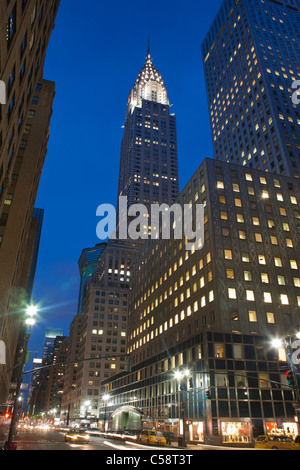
[(96, 51)]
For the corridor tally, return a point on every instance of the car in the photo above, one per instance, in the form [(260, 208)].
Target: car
[(151, 437), (76, 435), (296, 444), (276, 442)]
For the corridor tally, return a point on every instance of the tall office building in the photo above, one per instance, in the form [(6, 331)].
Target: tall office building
[(214, 312), (26, 27), (87, 264), (149, 161), (251, 60), (148, 174)]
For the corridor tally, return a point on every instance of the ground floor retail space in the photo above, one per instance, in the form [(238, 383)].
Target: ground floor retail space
[(243, 431), (227, 431)]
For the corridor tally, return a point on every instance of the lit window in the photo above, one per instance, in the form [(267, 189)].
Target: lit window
[(296, 281), (265, 278), (252, 316), (267, 298), (284, 299), (274, 240), (270, 317), (279, 197), (231, 293), (230, 273), (250, 295)]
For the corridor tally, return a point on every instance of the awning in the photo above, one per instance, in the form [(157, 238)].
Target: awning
[(127, 408)]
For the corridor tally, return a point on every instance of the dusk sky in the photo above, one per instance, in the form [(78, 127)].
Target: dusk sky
[(96, 51)]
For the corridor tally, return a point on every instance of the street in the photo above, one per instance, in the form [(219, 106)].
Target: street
[(54, 439)]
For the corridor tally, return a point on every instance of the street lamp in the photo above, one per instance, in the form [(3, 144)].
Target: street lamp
[(29, 321)]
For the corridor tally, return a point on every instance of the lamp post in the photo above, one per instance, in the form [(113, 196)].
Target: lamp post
[(182, 377), (291, 373), (31, 311)]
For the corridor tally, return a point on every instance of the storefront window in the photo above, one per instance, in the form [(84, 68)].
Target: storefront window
[(289, 429), (236, 431), (197, 431)]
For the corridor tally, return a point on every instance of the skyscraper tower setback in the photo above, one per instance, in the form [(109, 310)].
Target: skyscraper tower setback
[(251, 62)]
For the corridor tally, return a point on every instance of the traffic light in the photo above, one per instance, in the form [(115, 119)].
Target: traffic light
[(290, 378), (207, 395)]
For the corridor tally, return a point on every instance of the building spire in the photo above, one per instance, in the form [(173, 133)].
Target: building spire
[(148, 54)]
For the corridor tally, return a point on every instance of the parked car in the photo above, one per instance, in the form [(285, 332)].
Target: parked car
[(280, 442), (77, 435), (296, 444), (151, 437)]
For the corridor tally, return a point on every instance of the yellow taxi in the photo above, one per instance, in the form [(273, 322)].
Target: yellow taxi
[(77, 435), (152, 437), (296, 445), (280, 442)]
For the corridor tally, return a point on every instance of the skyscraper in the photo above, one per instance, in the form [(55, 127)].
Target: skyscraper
[(87, 264), (251, 60), (148, 174), (213, 313), (149, 161)]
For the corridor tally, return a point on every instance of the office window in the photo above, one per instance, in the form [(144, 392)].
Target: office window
[(284, 299), (267, 297), (252, 316), (242, 235), (231, 293), (250, 295), (270, 317), (293, 264), (230, 273)]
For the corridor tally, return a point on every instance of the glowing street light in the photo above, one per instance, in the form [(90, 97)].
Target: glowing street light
[(29, 321), (277, 343)]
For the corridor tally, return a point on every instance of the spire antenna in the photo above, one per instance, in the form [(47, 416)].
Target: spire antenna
[(148, 45)]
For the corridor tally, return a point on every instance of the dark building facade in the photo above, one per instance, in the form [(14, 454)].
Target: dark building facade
[(215, 311), (25, 116)]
